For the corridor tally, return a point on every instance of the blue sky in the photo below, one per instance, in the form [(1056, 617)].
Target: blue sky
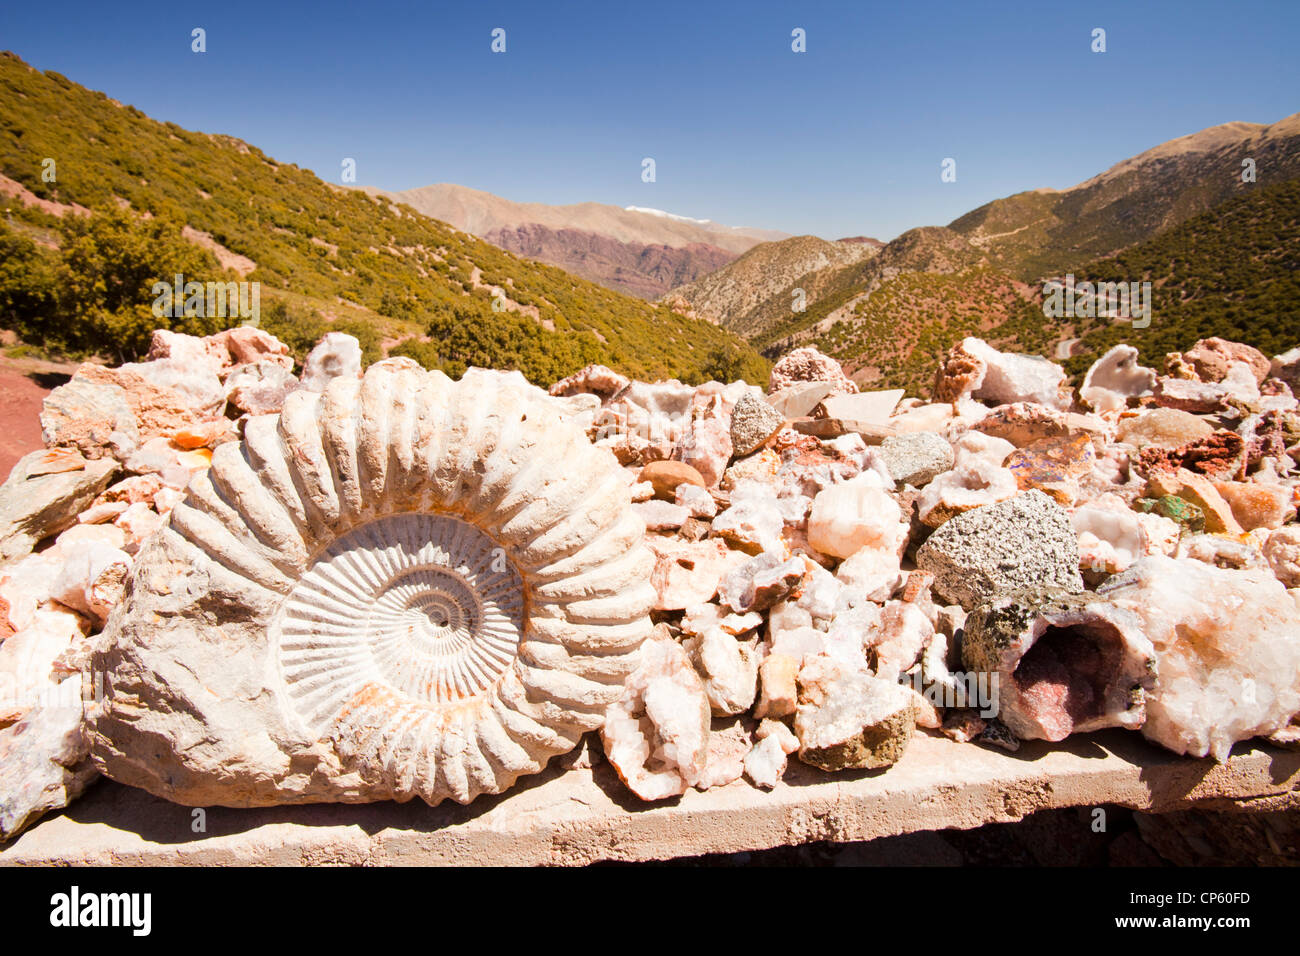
[(844, 139)]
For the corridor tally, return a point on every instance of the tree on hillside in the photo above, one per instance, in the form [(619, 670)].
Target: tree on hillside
[(109, 263)]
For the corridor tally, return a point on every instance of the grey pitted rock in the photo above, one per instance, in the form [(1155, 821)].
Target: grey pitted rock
[(1060, 662), (36, 503), (753, 422), (1023, 542), (915, 458)]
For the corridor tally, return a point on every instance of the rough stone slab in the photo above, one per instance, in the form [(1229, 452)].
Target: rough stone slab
[(36, 503), (584, 816), (835, 427)]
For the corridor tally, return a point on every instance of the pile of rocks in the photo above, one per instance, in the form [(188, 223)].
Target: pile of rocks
[(1014, 560), (833, 568)]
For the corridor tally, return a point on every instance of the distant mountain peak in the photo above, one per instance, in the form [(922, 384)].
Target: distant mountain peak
[(636, 250)]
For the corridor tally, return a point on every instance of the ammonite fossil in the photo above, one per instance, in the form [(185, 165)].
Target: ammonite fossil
[(403, 586)]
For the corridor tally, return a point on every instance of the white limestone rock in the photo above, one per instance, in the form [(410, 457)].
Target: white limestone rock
[(36, 503), (27, 660), (661, 515), (922, 418), (876, 572), (809, 365), (1240, 383), (729, 745), (699, 619), (853, 630), (729, 668), (786, 616), (853, 515), (863, 408), (753, 521), (765, 765), (1221, 552), (799, 400), (977, 479), (260, 388), (336, 355), (1017, 378), (92, 579), (696, 500), (904, 631), (1116, 377), (138, 522), (639, 491), (687, 573), (1227, 644), (1282, 551), (778, 687), (800, 643), (819, 593), (1111, 535), (760, 582), (43, 759)]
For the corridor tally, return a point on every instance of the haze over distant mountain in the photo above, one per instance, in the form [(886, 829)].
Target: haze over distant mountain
[(640, 251)]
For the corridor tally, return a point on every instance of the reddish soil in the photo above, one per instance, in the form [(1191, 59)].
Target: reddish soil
[(24, 383)]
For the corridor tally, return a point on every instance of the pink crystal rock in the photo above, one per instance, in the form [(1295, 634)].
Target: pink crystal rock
[(1227, 644), (656, 735), (1062, 663)]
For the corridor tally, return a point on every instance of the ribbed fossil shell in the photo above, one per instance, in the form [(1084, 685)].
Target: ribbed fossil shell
[(408, 586)]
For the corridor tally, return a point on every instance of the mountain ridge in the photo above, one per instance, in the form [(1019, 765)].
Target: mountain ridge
[(636, 250), (1039, 233), (981, 273)]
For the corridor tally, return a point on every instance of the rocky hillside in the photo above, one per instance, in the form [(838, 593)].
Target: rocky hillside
[(929, 249), (756, 291), (1044, 232), (630, 267), (163, 196), (641, 252), (1220, 254), (1233, 272)]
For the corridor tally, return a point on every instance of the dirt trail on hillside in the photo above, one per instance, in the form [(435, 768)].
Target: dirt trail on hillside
[(24, 383)]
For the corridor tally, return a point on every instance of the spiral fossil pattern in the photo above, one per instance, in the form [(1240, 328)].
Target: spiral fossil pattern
[(448, 579), (423, 603)]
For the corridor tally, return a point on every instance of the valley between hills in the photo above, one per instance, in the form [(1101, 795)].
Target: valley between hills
[(456, 277)]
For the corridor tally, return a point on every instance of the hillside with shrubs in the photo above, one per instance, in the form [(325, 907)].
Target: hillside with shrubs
[(80, 251)]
